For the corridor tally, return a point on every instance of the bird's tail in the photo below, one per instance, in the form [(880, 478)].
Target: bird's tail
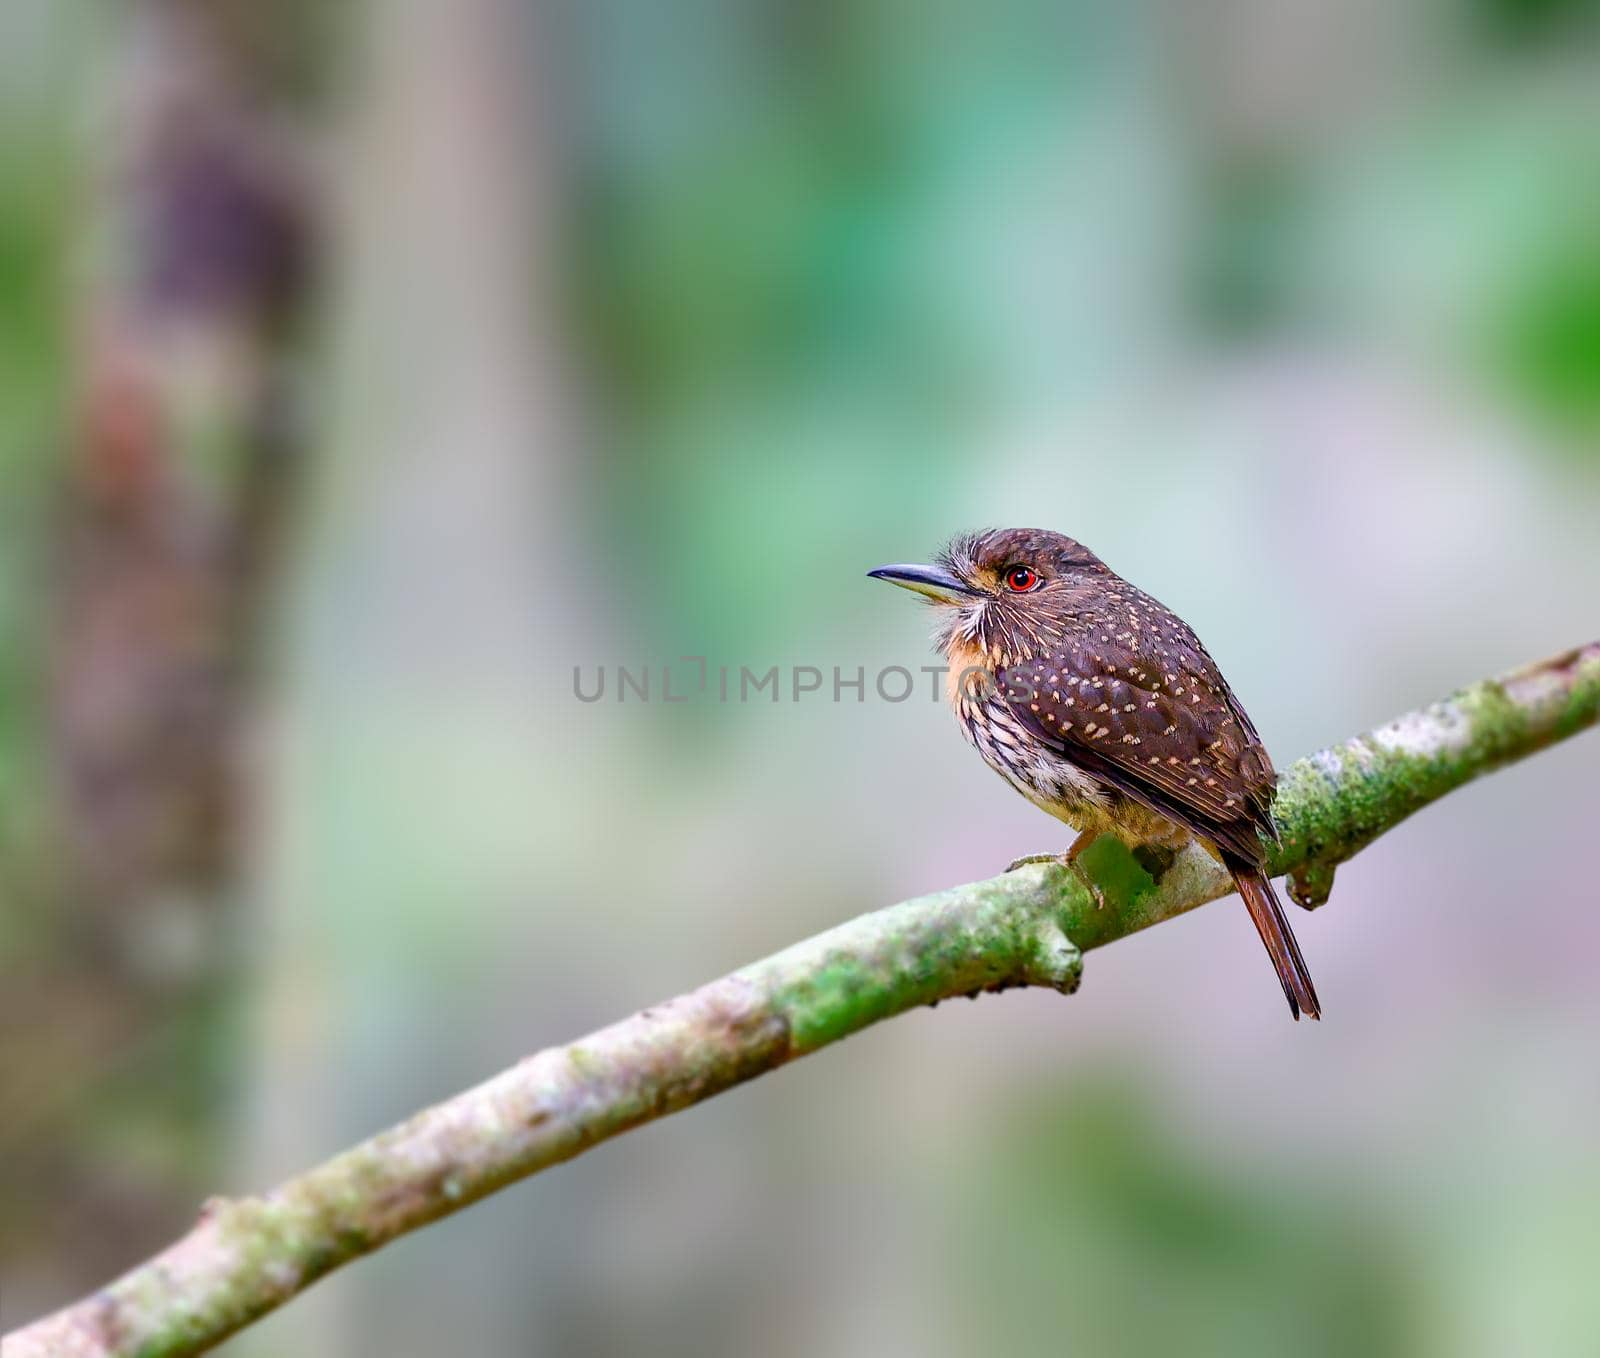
[(1275, 933)]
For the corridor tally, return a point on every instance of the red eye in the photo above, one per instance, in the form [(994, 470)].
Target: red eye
[(1020, 579)]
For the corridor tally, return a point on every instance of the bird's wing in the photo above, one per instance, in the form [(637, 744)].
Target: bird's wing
[(1149, 713), (1256, 764)]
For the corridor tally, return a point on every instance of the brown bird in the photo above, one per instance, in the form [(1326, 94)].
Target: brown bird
[(1099, 705)]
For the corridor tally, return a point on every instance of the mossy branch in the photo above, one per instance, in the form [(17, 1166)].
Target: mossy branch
[(1028, 927)]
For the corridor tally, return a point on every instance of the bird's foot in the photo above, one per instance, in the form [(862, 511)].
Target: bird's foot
[(1089, 883), (1071, 864), (1027, 860)]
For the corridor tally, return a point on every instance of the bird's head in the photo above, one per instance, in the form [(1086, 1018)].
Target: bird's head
[(1003, 595)]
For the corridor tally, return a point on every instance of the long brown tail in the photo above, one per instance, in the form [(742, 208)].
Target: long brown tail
[(1279, 938)]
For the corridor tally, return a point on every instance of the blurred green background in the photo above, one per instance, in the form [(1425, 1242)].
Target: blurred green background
[(364, 369)]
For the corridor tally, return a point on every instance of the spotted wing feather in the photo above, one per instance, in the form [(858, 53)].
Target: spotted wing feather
[(1133, 699)]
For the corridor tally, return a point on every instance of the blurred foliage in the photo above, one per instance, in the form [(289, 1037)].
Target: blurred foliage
[(1245, 262), (40, 182), (1516, 22), (1550, 333), (764, 221), (1116, 1234), (763, 228)]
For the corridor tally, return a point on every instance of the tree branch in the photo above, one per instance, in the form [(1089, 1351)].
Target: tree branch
[(1029, 927)]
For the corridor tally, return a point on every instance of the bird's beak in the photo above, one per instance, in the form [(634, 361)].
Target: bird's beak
[(934, 581)]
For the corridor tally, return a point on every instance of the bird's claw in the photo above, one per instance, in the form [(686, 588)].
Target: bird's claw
[(1027, 860), (1067, 861), (1089, 884)]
